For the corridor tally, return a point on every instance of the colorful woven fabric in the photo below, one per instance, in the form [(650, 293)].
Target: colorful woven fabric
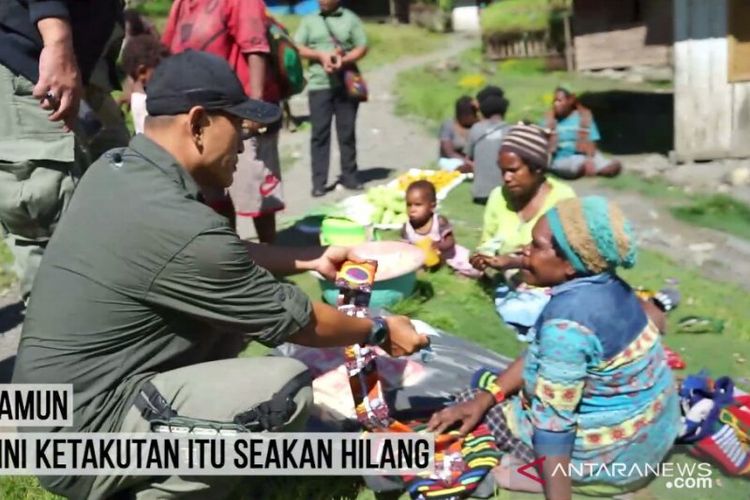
[(460, 465), (716, 422), (593, 234), (496, 422)]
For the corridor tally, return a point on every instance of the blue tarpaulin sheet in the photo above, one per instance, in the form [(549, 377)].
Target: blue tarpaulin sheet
[(280, 7)]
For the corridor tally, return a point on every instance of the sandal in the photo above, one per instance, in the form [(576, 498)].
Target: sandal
[(674, 360), (700, 324), (666, 299)]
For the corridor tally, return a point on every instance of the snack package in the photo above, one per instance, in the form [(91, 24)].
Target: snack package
[(355, 281), (460, 463)]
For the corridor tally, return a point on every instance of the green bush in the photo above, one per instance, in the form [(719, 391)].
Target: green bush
[(516, 16), (154, 8), (445, 5)]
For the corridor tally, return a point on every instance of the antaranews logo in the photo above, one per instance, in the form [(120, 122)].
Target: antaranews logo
[(535, 467), (679, 475)]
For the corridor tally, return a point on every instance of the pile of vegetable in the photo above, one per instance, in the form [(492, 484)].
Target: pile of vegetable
[(389, 205), (439, 178), (386, 205)]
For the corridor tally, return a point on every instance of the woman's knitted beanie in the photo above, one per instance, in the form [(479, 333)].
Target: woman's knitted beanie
[(593, 234), (530, 143)]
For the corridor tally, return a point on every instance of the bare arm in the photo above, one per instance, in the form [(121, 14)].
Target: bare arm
[(470, 412), (58, 71), (448, 242), (511, 380), (283, 261), (127, 91), (354, 55), (310, 54), (500, 262), (326, 59), (257, 65), (655, 314), (329, 327), (448, 151)]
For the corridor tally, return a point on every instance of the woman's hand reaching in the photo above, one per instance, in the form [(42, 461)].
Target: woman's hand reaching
[(469, 413)]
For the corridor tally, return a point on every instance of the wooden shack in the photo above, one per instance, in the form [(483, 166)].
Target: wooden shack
[(622, 33), (712, 79)]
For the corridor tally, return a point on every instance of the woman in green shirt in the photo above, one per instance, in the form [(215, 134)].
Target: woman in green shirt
[(511, 213)]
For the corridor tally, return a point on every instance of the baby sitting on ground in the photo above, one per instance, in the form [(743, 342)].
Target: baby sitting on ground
[(432, 232)]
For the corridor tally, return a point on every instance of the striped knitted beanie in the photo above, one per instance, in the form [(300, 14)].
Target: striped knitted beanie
[(530, 143), (593, 234)]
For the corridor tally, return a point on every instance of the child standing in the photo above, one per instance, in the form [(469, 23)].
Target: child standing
[(431, 231), (140, 57)]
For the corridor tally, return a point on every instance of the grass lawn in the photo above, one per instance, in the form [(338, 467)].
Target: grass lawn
[(387, 42), (515, 16), (429, 93), (464, 308), (715, 211), (6, 262)]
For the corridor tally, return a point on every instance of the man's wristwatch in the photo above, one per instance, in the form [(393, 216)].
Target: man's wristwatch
[(378, 332)]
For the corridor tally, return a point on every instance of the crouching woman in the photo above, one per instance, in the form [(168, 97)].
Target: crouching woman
[(592, 394)]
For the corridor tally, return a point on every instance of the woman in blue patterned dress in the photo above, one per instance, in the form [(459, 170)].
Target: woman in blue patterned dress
[(593, 394)]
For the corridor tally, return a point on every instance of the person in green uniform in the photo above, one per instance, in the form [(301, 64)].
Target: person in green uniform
[(146, 296), (48, 53)]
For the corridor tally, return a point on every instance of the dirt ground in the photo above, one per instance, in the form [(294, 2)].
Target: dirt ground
[(718, 255), (730, 176)]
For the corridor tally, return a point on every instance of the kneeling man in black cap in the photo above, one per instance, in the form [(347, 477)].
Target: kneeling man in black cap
[(146, 296)]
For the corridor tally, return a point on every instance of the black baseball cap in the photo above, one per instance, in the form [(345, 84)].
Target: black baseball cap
[(194, 78)]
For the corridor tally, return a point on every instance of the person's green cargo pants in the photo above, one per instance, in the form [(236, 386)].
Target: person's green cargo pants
[(217, 390), (37, 174)]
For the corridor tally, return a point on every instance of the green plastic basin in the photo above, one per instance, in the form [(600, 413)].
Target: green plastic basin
[(338, 231), (384, 293)]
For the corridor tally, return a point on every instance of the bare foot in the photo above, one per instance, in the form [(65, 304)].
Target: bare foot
[(611, 170)]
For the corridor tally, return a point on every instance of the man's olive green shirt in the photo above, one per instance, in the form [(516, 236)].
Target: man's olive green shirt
[(140, 277)]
